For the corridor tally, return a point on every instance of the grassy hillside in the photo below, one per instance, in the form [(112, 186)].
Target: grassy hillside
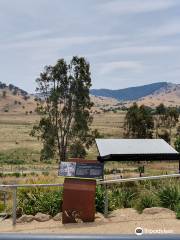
[(170, 96), (14, 99)]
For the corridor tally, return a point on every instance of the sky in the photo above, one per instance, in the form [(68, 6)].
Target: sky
[(127, 42)]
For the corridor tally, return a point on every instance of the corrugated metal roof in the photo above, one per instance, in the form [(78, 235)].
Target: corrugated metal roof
[(133, 146)]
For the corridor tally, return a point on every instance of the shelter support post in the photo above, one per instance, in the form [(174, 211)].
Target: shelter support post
[(14, 206), (106, 201), (179, 165)]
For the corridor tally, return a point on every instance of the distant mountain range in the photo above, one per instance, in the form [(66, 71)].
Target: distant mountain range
[(15, 99), (131, 93), (149, 95)]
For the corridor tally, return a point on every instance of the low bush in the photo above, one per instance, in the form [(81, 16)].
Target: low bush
[(177, 209), (146, 200), (46, 201), (1, 207), (100, 193), (169, 196), (45, 173), (137, 195), (16, 174), (123, 197)]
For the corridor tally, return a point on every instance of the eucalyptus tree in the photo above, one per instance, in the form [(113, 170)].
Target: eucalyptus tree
[(139, 122), (172, 118), (165, 119), (177, 143), (160, 117), (64, 106)]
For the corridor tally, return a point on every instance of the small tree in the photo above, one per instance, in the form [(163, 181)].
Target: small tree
[(139, 122), (65, 109), (178, 131), (4, 93), (164, 134), (177, 144), (160, 117), (172, 118), (166, 119), (141, 170)]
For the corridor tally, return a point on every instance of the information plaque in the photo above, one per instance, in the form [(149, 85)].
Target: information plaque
[(81, 170)]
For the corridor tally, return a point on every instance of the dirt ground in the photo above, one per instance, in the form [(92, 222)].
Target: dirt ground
[(123, 221)]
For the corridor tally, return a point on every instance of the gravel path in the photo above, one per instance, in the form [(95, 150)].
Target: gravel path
[(123, 221)]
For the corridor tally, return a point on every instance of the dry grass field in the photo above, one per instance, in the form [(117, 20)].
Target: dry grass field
[(15, 130), (16, 145)]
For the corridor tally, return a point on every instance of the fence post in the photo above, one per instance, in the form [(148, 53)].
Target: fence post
[(106, 202), (4, 199), (14, 206)]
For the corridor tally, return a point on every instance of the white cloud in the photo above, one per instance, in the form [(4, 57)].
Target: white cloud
[(126, 65), (136, 6), (168, 29), (32, 34), (55, 42), (130, 50)]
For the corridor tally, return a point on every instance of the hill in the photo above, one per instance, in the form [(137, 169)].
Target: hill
[(14, 99), (131, 93), (170, 96)]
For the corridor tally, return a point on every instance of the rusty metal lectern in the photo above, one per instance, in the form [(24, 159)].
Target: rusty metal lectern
[(79, 197), (78, 200)]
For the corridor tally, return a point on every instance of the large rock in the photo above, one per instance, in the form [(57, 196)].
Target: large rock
[(40, 217), (25, 218), (157, 210), (58, 217)]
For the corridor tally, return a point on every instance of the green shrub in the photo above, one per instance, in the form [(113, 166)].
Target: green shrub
[(18, 156), (16, 174), (111, 201), (177, 144), (123, 197), (15, 161), (100, 194), (145, 200), (33, 174), (177, 209), (1, 207), (138, 195), (169, 196), (117, 197), (45, 173), (46, 201)]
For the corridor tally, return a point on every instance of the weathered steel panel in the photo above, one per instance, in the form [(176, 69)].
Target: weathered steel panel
[(78, 200)]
